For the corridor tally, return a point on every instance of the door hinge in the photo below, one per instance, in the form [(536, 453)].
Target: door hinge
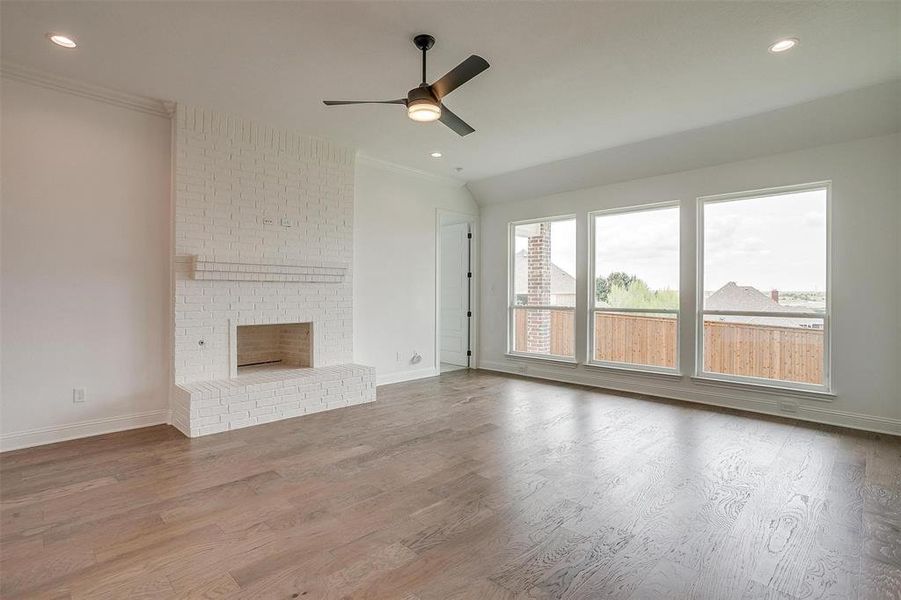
[(469, 236), (468, 313), (469, 353), (469, 274)]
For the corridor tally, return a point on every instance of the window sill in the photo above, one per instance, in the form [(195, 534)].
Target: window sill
[(553, 360), (636, 370), (775, 390)]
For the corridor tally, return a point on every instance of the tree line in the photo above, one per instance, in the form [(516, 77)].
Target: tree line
[(622, 290)]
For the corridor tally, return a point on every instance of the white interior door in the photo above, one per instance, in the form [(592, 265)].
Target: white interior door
[(454, 293)]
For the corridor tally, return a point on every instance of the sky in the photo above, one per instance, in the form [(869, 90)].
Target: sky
[(640, 243), (563, 245), (770, 242)]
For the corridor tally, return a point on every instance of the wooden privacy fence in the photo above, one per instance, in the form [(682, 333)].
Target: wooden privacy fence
[(784, 353), (635, 339)]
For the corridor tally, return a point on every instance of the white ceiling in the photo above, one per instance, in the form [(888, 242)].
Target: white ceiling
[(865, 112), (565, 78)]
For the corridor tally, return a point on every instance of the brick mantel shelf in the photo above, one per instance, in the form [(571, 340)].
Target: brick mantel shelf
[(212, 269)]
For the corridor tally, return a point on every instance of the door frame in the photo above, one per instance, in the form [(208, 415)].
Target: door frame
[(442, 214)]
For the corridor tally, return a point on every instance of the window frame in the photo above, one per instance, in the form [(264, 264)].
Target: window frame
[(592, 309), (511, 292), (761, 382)]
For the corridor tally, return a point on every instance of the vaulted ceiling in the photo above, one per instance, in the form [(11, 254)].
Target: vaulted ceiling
[(565, 78)]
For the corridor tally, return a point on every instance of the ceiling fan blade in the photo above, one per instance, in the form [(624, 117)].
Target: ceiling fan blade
[(459, 75), (343, 102), (454, 122)]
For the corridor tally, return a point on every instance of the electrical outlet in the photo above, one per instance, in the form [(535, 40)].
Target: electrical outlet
[(286, 222), (267, 221), (789, 406), (78, 395)]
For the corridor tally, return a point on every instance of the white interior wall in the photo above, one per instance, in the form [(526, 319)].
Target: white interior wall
[(85, 265), (866, 279), (395, 235)]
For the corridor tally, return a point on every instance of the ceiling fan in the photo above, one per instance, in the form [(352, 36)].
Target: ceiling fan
[(424, 103)]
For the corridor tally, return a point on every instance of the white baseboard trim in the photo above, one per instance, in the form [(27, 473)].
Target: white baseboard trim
[(651, 386), (852, 420), (400, 376), (72, 431)]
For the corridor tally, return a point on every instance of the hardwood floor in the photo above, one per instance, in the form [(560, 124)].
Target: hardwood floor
[(469, 485)]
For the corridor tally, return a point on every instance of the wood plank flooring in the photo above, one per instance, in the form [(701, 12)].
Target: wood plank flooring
[(468, 485)]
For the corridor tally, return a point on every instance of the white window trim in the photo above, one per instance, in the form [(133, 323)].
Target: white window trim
[(824, 390), (511, 294), (592, 309)]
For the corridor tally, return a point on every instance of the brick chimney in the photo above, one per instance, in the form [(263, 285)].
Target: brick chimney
[(538, 323), (774, 296)]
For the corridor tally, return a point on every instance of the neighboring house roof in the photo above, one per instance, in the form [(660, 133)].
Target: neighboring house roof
[(561, 281), (747, 298), (742, 297)]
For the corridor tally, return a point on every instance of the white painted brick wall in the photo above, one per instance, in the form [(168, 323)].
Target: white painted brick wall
[(235, 182), (263, 208)]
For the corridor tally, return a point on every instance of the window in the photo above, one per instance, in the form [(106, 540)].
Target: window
[(543, 288), (634, 320), (764, 287)]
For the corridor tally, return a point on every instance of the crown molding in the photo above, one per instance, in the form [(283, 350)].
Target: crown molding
[(377, 163), (142, 104)]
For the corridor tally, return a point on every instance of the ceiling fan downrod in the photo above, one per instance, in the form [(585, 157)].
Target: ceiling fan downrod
[(424, 42)]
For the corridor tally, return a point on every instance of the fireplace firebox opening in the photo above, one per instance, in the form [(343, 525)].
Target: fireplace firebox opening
[(274, 347)]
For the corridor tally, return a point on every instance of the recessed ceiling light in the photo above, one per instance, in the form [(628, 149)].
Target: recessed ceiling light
[(436, 155), (784, 45), (62, 40)]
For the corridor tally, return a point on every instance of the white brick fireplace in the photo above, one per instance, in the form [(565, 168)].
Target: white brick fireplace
[(263, 283)]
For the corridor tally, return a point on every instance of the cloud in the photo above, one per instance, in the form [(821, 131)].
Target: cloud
[(815, 219)]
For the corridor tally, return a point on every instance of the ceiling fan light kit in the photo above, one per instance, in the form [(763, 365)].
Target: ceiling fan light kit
[(424, 102), (421, 106), (424, 112)]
